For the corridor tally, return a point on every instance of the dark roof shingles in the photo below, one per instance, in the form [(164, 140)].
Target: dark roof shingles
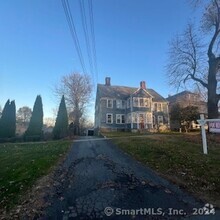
[(123, 92)]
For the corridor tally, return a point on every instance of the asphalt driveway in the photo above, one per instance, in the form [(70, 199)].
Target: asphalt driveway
[(102, 182)]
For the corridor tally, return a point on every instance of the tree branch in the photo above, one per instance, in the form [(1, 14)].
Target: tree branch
[(200, 81)]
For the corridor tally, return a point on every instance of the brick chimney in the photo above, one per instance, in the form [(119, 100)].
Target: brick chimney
[(143, 85), (107, 81)]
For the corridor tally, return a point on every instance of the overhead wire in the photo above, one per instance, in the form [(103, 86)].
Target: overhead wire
[(90, 42), (86, 34), (73, 32), (93, 36)]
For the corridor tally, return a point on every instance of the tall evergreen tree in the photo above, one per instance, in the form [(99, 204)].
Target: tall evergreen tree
[(8, 120), (61, 126), (36, 122), (12, 120)]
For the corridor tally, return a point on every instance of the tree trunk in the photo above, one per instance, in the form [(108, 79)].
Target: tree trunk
[(212, 86), (77, 125)]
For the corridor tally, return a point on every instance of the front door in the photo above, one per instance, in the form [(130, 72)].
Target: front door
[(141, 121)]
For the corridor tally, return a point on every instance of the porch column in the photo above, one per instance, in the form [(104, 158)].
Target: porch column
[(131, 107), (131, 120)]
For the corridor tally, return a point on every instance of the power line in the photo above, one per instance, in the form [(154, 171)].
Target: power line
[(93, 36), (86, 34), (72, 28)]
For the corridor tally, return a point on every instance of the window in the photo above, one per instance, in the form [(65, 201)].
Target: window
[(155, 107), (109, 118), (128, 103), (120, 104), (109, 103), (146, 102), (159, 107), (141, 102), (135, 117), (123, 103), (120, 119), (160, 119), (149, 118), (135, 102)]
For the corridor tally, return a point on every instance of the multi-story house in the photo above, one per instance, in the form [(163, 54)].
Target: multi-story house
[(184, 99), (128, 108), (187, 98)]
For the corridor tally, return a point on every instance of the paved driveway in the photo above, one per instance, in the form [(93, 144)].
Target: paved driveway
[(101, 181)]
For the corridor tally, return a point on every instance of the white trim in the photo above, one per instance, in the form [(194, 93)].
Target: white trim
[(144, 91)]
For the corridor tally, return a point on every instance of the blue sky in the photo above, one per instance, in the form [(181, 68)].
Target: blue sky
[(132, 37)]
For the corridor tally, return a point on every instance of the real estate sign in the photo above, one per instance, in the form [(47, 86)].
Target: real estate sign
[(214, 126)]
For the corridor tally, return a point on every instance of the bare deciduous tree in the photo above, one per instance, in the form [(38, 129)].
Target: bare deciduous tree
[(190, 52), (77, 89), (24, 114)]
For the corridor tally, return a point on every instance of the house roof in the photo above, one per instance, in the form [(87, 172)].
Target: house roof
[(123, 92), (180, 94)]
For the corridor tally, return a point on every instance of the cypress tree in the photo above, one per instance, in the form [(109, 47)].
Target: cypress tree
[(8, 120), (61, 125), (12, 120), (36, 122)]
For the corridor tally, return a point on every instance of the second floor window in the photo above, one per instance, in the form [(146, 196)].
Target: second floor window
[(135, 102), (140, 102), (109, 103), (120, 104), (158, 107)]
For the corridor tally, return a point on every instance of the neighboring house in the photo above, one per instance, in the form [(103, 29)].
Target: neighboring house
[(187, 98), (184, 99), (127, 108)]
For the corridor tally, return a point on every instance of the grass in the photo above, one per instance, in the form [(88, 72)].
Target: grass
[(180, 159), (22, 164), (115, 134), (120, 134)]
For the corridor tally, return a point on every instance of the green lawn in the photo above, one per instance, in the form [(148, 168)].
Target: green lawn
[(120, 134), (22, 164), (180, 159)]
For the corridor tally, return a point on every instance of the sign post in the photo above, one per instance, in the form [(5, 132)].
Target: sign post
[(214, 123), (202, 122)]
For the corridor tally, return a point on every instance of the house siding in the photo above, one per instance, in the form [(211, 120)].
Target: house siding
[(143, 114)]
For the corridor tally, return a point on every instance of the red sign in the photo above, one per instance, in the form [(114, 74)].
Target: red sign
[(214, 126)]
